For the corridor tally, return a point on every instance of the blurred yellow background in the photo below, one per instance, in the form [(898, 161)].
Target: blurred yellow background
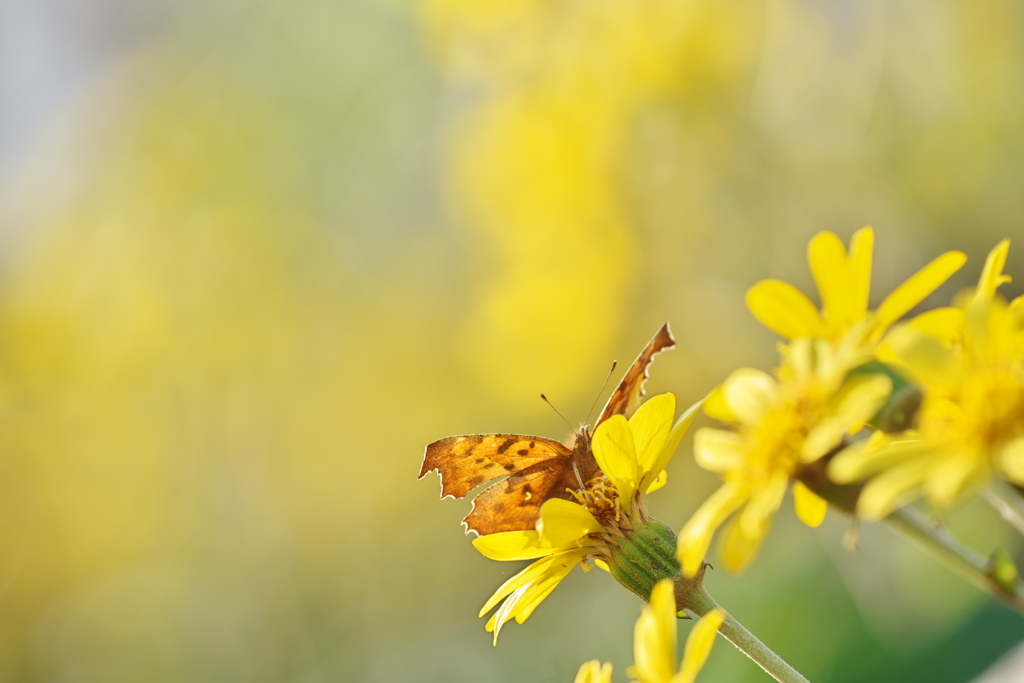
[(256, 255)]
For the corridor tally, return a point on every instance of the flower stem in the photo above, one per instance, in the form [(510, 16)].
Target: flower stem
[(1007, 503), (698, 601), (965, 562)]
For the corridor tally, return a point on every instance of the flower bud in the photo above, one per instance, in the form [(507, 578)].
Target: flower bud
[(643, 556)]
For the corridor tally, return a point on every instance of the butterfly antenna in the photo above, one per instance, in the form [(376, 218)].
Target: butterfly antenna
[(604, 386), (545, 399)]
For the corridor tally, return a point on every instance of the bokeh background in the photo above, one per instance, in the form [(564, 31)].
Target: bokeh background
[(256, 254)]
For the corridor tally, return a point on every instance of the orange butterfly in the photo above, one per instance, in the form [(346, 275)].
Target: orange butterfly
[(535, 469)]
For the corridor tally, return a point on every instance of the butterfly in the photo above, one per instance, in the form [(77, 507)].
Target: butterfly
[(535, 469)]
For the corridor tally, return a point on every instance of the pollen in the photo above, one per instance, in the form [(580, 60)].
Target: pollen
[(601, 498)]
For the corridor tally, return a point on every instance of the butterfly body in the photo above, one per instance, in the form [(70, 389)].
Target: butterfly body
[(535, 468)]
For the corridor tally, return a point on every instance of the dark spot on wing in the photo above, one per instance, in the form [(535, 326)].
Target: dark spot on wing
[(532, 444), (477, 480), (505, 446), (527, 494), (509, 466), (499, 506), (523, 451), (489, 465)]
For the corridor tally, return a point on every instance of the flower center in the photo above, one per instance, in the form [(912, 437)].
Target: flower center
[(601, 498), (777, 438), (986, 411)]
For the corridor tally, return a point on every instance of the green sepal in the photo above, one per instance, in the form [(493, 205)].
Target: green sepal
[(645, 556)]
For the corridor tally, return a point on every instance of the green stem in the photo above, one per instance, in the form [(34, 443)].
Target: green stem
[(965, 562), (1007, 503), (698, 601)]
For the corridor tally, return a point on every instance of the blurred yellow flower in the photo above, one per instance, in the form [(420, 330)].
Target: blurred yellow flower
[(594, 672), (992, 276), (534, 171), (971, 421), (632, 455), (654, 644), (779, 424), (844, 282)]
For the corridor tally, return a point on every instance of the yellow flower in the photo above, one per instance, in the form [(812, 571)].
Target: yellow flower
[(844, 281), (654, 644), (632, 455), (971, 421), (780, 424)]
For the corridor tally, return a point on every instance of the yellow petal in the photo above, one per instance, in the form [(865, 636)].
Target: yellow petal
[(920, 285), (717, 450), (616, 454), (827, 435), (992, 274), (784, 309), (827, 257), (512, 545), (657, 483), (1017, 306), (675, 436), (810, 507), (504, 613), (527, 589), (562, 522), (738, 548), (945, 324), (698, 645), (1010, 461), (801, 356), (654, 639), (863, 459), (651, 425), (716, 408), (992, 331), (527, 576), (749, 393), (861, 245), (927, 359), (537, 592), (696, 535), (764, 502), (891, 489), (594, 672), (861, 399), (954, 474)]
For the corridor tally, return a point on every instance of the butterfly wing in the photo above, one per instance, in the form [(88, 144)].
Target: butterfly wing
[(626, 397), (514, 504), (536, 469)]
